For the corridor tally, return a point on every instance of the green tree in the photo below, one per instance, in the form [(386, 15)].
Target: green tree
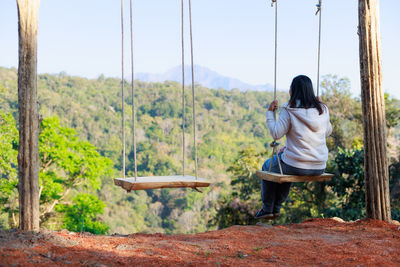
[(8, 171), (239, 207), (82, 214), (392, 106), (392, 111), (345, 112), (67, 163), (245, 182), (348, 185), (394, 179), (8, 145)]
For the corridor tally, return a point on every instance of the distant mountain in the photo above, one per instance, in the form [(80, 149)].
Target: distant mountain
[(203, 76)]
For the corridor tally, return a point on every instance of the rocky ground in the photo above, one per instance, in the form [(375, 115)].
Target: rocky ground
[(326, 242)]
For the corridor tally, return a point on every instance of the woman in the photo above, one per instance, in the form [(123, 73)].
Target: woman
[(305, 122)]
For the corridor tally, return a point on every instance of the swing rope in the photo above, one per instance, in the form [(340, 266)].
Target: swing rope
[(193, 91), (275, 144), (275, 2), (123, 90), (183, 87), (319, 11), (133, 90), (133, 93)]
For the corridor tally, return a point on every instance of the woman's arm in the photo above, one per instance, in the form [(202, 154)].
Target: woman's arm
[(329, 129), (281, 127), (329, 126)]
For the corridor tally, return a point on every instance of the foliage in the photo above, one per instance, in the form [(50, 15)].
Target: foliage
[(81, 215), (234, 211), (8, 145), (67, 163), (392, 111), (348, 185), (345, 112), (8, 172), (245, 182), (241, 205), (394, 185), (227, 122)]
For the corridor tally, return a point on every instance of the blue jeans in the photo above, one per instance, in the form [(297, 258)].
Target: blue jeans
[(274, 194)]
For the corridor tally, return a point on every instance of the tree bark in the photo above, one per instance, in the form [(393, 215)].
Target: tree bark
[(373, 107), (28, 152)]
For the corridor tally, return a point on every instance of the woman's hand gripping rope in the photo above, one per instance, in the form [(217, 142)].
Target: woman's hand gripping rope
[(273, 106)]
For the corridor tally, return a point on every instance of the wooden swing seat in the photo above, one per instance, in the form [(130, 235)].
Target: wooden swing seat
[(156, 182), (283, 178)]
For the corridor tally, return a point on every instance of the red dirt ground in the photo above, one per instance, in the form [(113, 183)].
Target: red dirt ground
[(314, 242)]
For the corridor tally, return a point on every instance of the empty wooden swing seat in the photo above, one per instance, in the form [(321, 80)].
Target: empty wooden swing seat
[(157, 182), (283, 178)]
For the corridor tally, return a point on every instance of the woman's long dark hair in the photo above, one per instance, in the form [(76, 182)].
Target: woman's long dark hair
[(303, 94)]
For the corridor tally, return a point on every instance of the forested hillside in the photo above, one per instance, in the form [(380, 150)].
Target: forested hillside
[(232, 142)]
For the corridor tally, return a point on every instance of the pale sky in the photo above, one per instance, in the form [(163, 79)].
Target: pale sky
[(232, 37)]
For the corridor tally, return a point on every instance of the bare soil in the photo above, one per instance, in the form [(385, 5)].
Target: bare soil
[(326, 242)]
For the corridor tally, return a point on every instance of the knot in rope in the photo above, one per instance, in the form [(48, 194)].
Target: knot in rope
[(275, 152), (274, 144), (273, 2), (319, 6)]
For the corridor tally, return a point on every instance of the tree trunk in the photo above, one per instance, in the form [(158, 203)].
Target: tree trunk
[(28, 152), (373, 106)]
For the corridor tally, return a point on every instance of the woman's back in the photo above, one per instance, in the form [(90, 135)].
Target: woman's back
[(305, 122), (306, 137)]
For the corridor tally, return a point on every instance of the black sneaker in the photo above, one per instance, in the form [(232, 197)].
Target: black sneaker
[(263, 214)]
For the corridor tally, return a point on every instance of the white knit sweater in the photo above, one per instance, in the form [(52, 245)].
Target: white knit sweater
[(306, 133)]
